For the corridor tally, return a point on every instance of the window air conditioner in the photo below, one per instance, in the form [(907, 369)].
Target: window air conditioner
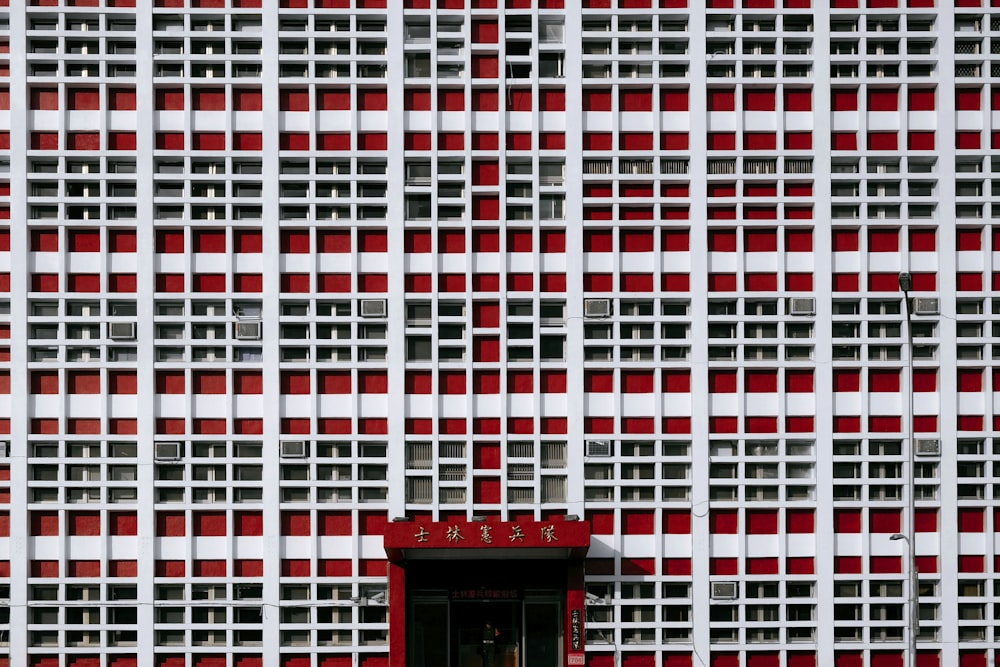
[(724, 590), (802, 306), (248, 330), (926, 305), (598, 448), (597, 307), (4, 449), (374, 307), (927, 447), (293, 449), (167, 451), (121, 330)]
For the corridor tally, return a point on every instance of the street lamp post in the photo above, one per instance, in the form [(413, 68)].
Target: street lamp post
[(912, 601), (913, 597)]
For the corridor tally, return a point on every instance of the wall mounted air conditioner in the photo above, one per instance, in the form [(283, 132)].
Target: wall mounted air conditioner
[(926, 305), (374, 307), (927, 447), (724, 590), (598, 448), (121, 330), (167, 451), (597, 307), (293, 449), (802, 306), (248, 330)]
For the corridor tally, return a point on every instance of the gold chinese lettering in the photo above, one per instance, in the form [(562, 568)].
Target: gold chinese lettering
[(422, 535), (486, 534), (549, 533), (516, 534), (454, 534)]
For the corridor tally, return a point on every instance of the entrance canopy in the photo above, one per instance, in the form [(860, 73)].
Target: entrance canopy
[(419, 540)]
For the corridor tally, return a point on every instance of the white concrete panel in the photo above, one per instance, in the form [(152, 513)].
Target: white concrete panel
[(295, 263), (677, 405), (845, 121), (598, 121), (83, 120), (598, 405), (210, 121), (452, 262), (799, 121), (518, 121), (554, 405), (377, 121), (637, 121), (723, 404), (724, 545), (599, 262), (452, 407), (419, 405), (884, 121), (762, 404), (639, 546), (208, 262), (637, 262), (296, 546), (373, 405), (800, 404), (760, 262), (760, 121), (209, 547), (83, 262), (676, 262), (969, 120), (84, 547), (846, 262), (247, 121), (677, 546), (675, 121), (638, 405), (337, 121), (521, 405), (762, 546), (171, 548), (800, 262), (926, 403), (848, 544), (926, 120), (84, 405), (251, 546), (485, 405), (122, 121), (797, 545), (723, 262), (374, 262), (885, 403)]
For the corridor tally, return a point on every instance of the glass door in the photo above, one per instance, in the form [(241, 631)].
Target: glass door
[(427, 644), (542, 632)]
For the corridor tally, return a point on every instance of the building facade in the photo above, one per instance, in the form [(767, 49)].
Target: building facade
[(583, 320)]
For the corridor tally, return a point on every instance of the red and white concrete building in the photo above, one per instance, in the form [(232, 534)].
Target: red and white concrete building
[(333, 327)]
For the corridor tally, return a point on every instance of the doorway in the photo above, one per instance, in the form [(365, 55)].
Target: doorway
[(449, 608)]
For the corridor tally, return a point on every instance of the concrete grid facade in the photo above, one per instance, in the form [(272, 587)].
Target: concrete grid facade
[(277, 275)]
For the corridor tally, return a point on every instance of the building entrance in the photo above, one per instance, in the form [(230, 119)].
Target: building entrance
[(448, 579), (513, 618)]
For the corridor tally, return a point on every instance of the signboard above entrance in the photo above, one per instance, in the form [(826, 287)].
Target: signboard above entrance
[(486, 539)]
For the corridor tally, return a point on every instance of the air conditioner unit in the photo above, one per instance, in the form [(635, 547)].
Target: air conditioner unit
[(167, 451), (927, 447), (248, 330), (374, 307), (925, 305), (598, 448), (121, 330), (597, 307), (4, 449), (293, 449), (724, 590), (804, 305)]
